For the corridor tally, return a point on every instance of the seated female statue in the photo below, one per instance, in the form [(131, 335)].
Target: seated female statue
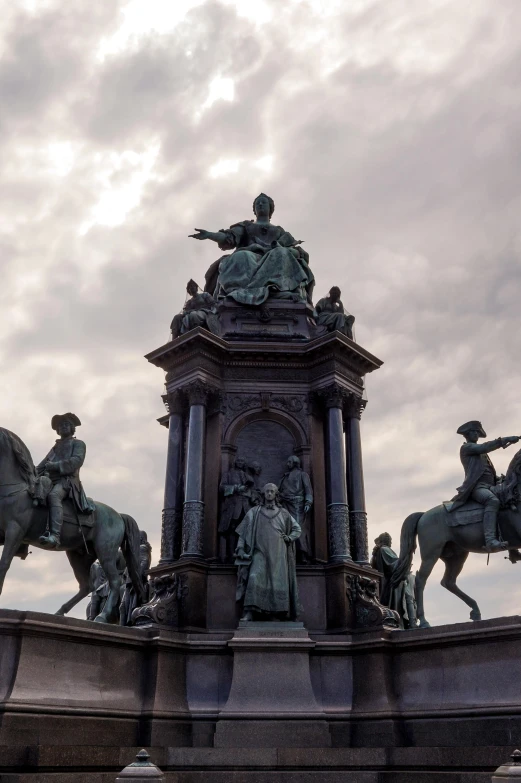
[(267, 260)]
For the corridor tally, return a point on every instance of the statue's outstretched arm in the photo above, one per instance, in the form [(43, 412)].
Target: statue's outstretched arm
[(215, 236)]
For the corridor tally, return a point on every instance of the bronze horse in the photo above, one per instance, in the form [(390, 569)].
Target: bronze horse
[(22, 523), (439, 541)]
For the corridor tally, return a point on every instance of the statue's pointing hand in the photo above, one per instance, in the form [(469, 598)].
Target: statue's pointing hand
[(510, 439), (202, 234)]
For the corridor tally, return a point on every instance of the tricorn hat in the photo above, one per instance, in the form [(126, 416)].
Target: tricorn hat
[(472, 425), (59, 417)]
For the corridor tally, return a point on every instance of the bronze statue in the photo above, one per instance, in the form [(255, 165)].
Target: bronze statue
[(99, 535), (100, 591), (267, 260), (62, 464), (267, 577), (450, 535), (480, 478), (399, 597), (131, 600), (331, 314), (296, 495), (199, 310), (254, 469), (235, 489)]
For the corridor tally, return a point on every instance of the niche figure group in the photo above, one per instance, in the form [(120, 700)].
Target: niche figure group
[(241, 490)]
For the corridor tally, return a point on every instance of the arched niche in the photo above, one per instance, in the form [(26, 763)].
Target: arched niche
[(268, 438)]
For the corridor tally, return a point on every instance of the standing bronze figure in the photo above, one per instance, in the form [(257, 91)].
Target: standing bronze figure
[(296, 496), (400, 596), (235, 490), (267, 577)]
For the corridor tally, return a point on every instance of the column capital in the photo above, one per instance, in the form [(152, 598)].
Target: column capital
[(334, 396), (175, 402), (198, 392), (354, 407)]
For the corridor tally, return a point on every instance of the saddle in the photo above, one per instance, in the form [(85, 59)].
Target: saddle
[(40, 491), (472, 511), (468, 514)]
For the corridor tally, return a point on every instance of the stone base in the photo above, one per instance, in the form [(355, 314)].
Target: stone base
[(271, 680), (277, 319), (77, 700)]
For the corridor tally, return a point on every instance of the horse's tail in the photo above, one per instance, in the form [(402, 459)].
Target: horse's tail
[(130, 548), (407, 547)]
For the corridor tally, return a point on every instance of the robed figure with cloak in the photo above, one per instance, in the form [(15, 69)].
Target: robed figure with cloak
[(267, 577)]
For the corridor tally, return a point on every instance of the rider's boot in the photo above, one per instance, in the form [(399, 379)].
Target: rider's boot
[(492, 544), (52, 540)]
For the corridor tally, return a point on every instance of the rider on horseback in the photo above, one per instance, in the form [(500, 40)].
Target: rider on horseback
[(480, 477), (62, 464)]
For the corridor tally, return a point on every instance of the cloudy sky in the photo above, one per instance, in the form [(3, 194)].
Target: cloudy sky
[(388, 134)]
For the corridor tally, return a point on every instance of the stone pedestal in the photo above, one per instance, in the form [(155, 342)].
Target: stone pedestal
[(271, 697)]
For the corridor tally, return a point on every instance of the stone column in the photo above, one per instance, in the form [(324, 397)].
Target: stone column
[(173, 503), (337, 508), (355, 483), (193, 508)]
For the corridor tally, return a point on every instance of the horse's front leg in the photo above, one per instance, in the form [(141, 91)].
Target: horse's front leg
[(13, 538)]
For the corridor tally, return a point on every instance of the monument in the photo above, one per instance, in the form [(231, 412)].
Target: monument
[(259, 647)]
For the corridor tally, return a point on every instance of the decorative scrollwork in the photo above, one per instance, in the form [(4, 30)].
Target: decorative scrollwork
[(168, 592), (362, 593)]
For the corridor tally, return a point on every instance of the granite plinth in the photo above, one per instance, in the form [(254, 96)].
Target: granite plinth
[(79, 699), (277, 319), (272, 682)]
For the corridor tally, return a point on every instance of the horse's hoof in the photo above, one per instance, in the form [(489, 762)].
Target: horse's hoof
[(424, 624), (475, 615), (100, 619), (60, 613)]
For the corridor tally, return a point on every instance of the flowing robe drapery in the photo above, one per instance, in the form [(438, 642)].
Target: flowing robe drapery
[(333, 317), (269, 581), (266, 261)]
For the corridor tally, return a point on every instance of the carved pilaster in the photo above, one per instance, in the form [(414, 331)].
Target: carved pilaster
[(338, 532), (359, 543), (362, 593), (193, 518), (164, 607), (171, 535)]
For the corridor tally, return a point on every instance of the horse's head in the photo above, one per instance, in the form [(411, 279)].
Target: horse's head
[(16, 464), (512, 482)]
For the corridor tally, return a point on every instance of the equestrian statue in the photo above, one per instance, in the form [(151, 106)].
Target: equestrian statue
[(46, 507), (483, 517)]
